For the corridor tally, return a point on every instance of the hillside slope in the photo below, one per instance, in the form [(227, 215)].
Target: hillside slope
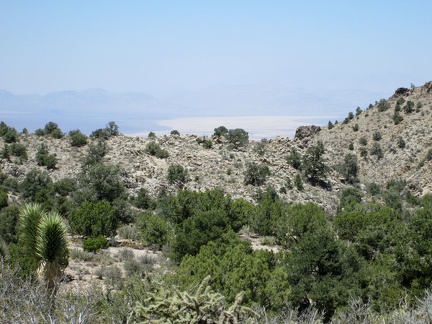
[(222, 166), (406, 146)]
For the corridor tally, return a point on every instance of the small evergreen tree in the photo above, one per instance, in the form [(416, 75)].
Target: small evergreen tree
[(112, 129), (93, 219), (313, 163), (256, 174), (238, 137), (294, 159), (77, 139), (220, 131), (350, 168), (177, 174), (43, 158)]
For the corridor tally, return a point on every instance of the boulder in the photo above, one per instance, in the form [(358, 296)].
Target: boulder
[(306, 131)]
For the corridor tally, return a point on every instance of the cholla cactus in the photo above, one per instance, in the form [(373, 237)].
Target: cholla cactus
[(200, 306)]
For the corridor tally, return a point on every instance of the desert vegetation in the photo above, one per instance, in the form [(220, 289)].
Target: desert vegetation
[(106, 228)]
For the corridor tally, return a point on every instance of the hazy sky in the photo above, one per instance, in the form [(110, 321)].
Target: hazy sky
[(164, 47)]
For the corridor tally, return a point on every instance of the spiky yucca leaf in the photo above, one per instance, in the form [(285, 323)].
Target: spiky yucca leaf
[(30, 217), (51, 247)]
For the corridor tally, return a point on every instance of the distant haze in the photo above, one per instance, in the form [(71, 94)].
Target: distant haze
[(84, 63), (264, 110)]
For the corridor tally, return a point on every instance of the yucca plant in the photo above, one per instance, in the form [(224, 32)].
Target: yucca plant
[(43, 236), (51, 248)]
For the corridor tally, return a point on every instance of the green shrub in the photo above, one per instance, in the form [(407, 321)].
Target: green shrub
[(3, 177), (298, 182), (260, 147), (3, 199), (43, 158), (151, 135), (3, 128), (77, 139), (256, 174), (143, 199), (50, 128), (358, 111), (350, 168), (197, 230), (409, 107), (57, 133), (349, 199), (177, 174), (11, 136), (220, 131), (400, 101), (377, 136), (397, 118), (93, 244), (93, 219), (294, 159), (373, 188), (102, 181), (313, 163), (5, 152), (400, 142), (383, 105), (112, 129), (238, 137), (154, 149), (377, 150), (65, 186), (153, 229), (100, 133), (356, 127), (175, 132), (297, 220), (330, 125), (11, 184), (268, 210), (95, 153), (39, 132), (34, 182), (18, 150), (206, 143)]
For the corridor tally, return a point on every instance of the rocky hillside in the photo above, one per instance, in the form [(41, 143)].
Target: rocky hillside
[(403, 140), (401, 127)]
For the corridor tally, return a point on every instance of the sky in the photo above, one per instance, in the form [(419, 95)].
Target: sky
[(168, 48)]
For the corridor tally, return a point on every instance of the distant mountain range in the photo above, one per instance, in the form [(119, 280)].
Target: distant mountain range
[(138, 112)]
